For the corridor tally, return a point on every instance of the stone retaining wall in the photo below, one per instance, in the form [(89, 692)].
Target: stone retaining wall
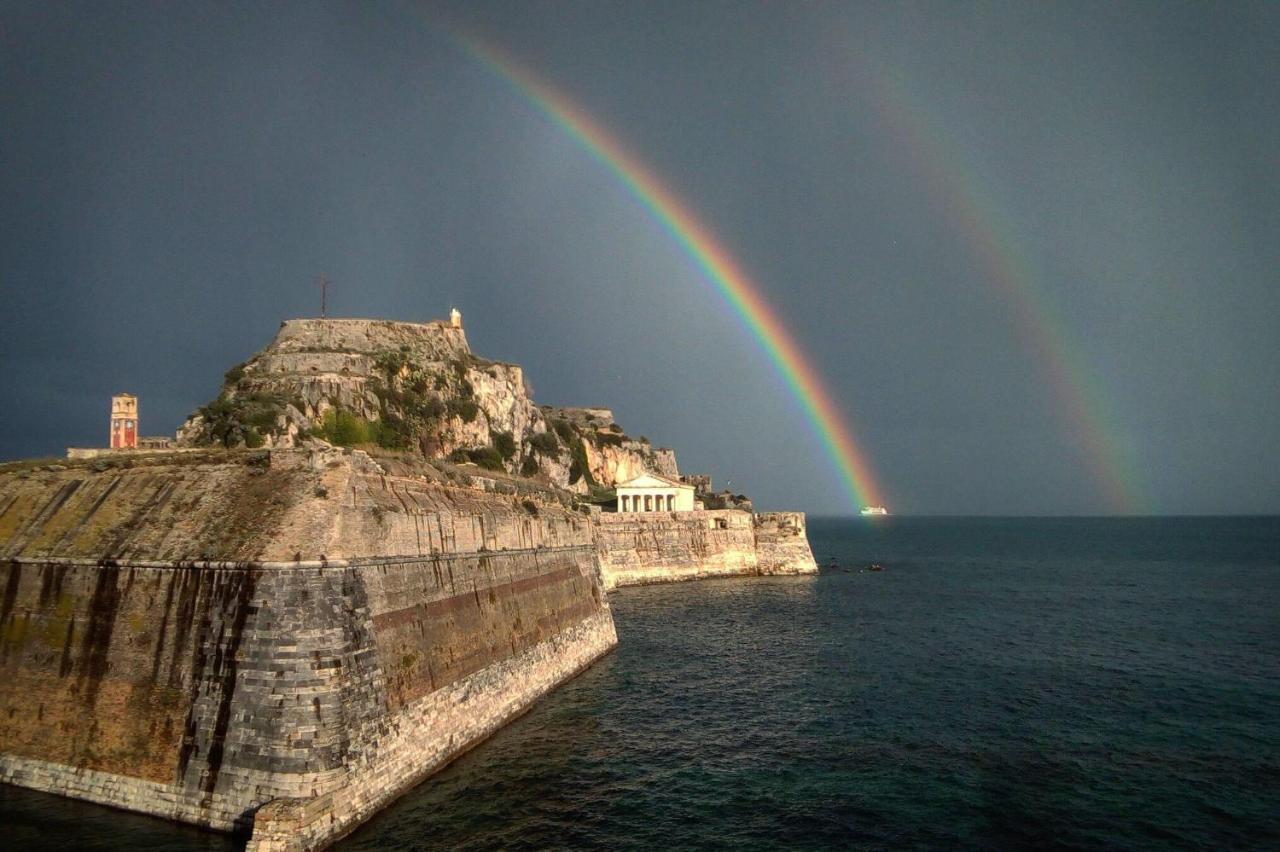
[(635, 548), (327, 683)]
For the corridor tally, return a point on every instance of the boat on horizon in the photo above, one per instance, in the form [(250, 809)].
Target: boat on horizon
[(874, 510)]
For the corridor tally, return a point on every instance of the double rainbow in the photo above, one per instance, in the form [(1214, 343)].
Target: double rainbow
[(992, 237), (711, 258)]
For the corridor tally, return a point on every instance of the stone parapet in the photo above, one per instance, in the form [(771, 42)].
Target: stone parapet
[(82, 453), (436, 340)]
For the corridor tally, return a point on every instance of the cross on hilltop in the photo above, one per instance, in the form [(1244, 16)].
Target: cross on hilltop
[(323, 284)]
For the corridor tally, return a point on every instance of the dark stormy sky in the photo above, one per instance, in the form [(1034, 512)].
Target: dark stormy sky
[(174, 176)]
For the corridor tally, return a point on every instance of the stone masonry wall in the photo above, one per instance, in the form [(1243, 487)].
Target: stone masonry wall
[(663, 547), (782, 544), (324, 684)]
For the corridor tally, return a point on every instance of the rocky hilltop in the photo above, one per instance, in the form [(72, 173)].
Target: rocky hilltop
[(416, 388)]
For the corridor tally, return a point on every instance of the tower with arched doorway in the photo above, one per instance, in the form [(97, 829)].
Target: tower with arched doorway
[(124, 422)]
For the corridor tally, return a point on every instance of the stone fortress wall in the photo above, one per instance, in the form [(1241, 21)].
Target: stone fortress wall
[(636, 548), (280, 641)]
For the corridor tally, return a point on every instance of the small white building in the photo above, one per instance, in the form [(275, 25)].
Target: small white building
[(649, 492)]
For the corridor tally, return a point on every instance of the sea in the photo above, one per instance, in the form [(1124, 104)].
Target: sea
[(1001, 683)]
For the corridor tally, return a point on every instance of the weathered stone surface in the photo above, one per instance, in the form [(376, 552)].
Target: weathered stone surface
[(348, 633), (279, 641), (782, 544), (664, 547), (422, 382), (433, 341)]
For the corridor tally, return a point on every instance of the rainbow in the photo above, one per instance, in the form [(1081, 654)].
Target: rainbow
[(992, 237), (716, 264)]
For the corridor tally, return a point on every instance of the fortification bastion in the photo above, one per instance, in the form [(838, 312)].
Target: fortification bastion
[(275, 642), (367, 554)]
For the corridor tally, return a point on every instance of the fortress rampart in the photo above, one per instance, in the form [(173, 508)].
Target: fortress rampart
[(635, 548), (273, 642), (279, 641)]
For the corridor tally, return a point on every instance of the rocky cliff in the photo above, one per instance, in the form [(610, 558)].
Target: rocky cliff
[(414, 387)]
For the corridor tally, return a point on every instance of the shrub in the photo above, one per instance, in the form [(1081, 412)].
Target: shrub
[(486, 457), (391, 433), (545, 443), (233, 376), (608, 439), (530, 507), (564, 429), (429, 408), (344, 428), (465, 409), (219, 419), (260, 412), (530, 466), (391, 363), (420, 384), (229, 421), (601, 494), (579, 468), (504, 443)]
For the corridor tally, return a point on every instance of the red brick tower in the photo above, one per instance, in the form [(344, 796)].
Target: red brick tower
[(124, 422)]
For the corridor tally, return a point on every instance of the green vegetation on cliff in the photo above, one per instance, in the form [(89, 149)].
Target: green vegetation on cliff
[(486, 457), (545, 443), (410, 388), (350, 430), (233, 421)]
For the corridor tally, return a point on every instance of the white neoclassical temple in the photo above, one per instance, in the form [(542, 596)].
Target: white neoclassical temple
[(649, 492)]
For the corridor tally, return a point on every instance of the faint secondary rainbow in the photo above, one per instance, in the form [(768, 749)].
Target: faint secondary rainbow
[(992, 237), (711, 258)]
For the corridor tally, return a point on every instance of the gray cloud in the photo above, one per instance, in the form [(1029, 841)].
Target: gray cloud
[(175, 176)]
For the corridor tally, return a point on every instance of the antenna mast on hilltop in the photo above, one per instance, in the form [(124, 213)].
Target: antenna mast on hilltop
[(323, 283)]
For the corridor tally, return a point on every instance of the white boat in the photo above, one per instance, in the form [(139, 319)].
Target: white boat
[(874, 510)]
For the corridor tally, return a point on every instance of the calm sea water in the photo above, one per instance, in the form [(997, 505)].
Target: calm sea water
[(1066, 683)]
